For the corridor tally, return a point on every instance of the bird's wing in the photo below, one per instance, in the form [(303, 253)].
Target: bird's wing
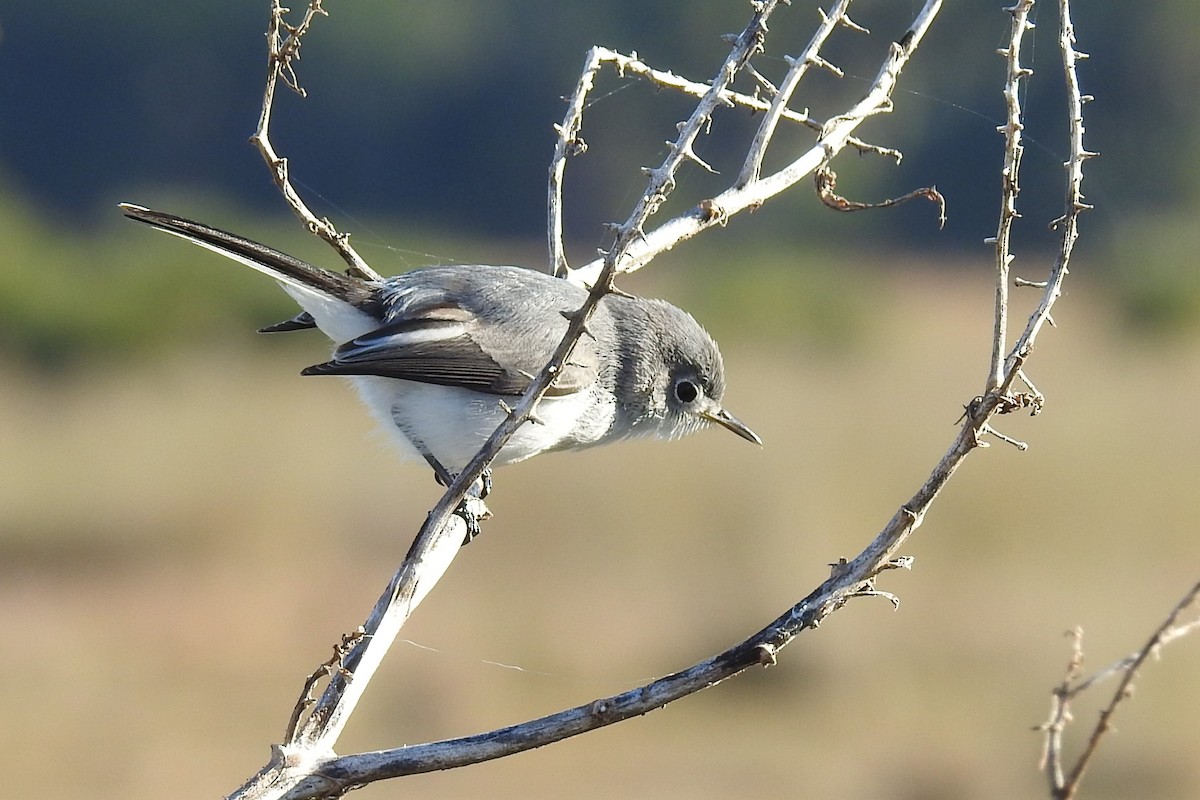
[(441, 342)]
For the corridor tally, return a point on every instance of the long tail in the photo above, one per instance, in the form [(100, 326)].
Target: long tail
[(342, 306), (287, 269)]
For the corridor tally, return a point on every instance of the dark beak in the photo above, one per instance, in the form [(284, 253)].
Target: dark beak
[(730, 422)]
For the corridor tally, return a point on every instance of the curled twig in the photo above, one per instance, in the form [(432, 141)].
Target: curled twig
[(826, 183)]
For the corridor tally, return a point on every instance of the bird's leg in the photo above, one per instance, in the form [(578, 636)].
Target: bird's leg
[(440, 473), (471, 510), (481, 488)]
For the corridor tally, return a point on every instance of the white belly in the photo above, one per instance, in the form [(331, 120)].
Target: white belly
[(452, 423)]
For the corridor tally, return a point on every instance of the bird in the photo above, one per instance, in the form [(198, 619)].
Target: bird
[(437, 353)]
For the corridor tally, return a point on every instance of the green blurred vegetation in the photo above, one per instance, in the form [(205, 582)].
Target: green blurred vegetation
[(77, 297), (1154, 270)]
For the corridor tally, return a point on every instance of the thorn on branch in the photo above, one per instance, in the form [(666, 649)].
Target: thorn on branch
[(767, 654), (690, 154), (1017, 443), (839, 568), (818, 62), (846, 22), (576, 146), (710, 211), (764, 84), (868, 590)]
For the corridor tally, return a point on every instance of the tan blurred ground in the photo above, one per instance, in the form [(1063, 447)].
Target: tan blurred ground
[(181, 542)]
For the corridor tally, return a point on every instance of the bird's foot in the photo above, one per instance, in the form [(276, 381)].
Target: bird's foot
[(472, 510), (481, 488)]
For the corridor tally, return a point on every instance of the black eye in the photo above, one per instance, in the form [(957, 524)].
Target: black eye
[(686, 391)]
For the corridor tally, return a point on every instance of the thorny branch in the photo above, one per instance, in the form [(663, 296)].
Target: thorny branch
[(307, 767), (436, 543), (782, 95), (283, 50), (1009, 179), (751, 189), (571, 143), (1063, 785)]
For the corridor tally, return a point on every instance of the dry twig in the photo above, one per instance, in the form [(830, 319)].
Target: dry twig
[(1064, 784), (282, 53), (826, 182), (571, 143), (751, 189)]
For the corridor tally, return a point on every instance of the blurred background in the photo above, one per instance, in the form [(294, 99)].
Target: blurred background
[(187, 525)]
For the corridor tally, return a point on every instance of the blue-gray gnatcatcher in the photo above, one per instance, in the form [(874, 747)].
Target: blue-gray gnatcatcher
[(434, 351)]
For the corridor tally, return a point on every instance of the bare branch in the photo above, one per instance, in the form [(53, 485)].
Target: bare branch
[(437, 542), (1064, 786), (332, 775), (571, 143), (662, 179), (1009, 175), (282, 53), (834, 137), (783, 95), (1068, 223)]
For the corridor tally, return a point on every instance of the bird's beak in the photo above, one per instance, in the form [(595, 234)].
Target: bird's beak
[(730, 422)]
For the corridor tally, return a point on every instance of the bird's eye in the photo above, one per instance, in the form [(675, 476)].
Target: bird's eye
[(686, 391)]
